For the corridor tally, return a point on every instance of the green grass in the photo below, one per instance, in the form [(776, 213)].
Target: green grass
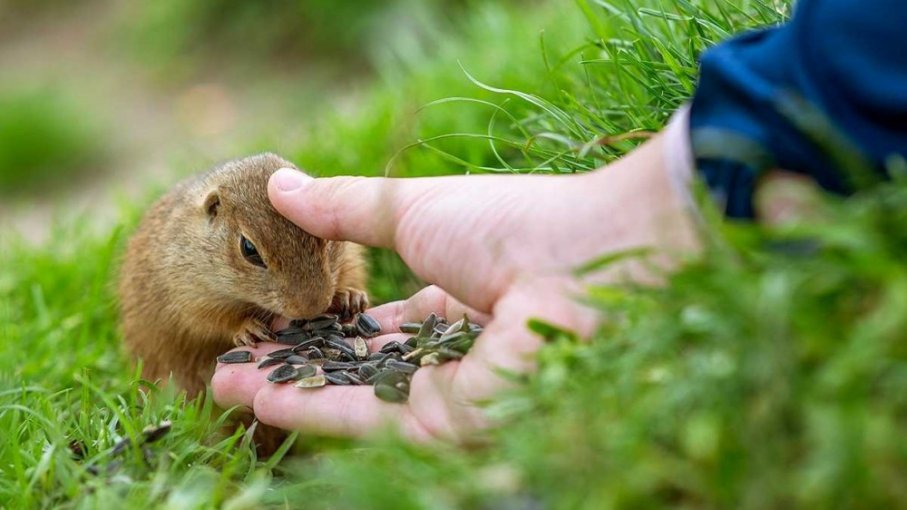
[(771, 373)]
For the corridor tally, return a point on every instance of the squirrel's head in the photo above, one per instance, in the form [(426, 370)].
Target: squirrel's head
[(270, 262)]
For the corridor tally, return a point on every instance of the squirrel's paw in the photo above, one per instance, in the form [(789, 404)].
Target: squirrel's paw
[(251, 332), (348, 302)]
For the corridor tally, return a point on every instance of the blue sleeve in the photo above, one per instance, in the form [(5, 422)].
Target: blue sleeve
[(844, 59)]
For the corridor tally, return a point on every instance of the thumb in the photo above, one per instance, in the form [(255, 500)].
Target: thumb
[(358, 209)]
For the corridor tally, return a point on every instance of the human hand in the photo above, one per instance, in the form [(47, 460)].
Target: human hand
[(502, 248)]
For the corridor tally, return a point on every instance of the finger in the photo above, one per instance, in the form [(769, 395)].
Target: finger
[(237, 383), (435, 224), (431, 299), (506, 344), (362, 210), (346, 411), (446, 399)]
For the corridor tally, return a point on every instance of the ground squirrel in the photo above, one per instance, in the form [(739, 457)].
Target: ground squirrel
[(212, 262)]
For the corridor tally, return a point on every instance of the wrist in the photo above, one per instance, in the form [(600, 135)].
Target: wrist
[(642, 207)]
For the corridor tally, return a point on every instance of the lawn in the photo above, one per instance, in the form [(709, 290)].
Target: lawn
[(770, 373)]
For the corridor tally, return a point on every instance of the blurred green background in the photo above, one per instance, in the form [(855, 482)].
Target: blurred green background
[(772, 373), (101, 100)]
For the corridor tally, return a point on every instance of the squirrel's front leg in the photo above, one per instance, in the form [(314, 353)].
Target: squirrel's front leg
[(251, 332), (348, 302)]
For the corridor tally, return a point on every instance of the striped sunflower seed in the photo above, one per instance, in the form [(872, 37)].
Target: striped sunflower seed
[(315, 381), (367, 325), (283, 373), (401, 366), (270, 362), (410, 327), (281, 353), (306, 371), (390, 393), (360, 347), (338, 378), (235, 357)]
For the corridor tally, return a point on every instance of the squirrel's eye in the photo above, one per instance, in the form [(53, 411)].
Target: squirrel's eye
[(250, 253)]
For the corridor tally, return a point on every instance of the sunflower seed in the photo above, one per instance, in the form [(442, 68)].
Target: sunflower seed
[(390, 393), (401, 366), (427, 326), (367, 370), (330, 366), (367, 325), (311, 342), (322, 321), (314, 353), (294, 339), (355, 378), (390, 347), (270, 362), (390, 376), (333, 328), (297, 360), (121, 446), (306, 371), (377, 356), (283, 373), (410, 327), (235, 357), (340, 344), (456, 327), (153, 433), (390, 356), (349, 330), (412, 342), (361, 347), (281, 353), (315, 381), (338, 378), (290, 331)]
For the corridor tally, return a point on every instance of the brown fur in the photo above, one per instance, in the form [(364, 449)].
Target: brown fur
[(186, 292)]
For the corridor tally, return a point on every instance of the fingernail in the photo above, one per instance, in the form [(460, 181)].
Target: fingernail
[(287, 179)]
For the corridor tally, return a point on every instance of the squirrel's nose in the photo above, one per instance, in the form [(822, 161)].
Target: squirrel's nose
[(306, 307)]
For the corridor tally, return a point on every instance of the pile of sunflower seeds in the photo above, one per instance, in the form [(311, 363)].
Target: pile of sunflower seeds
[(341, 352)]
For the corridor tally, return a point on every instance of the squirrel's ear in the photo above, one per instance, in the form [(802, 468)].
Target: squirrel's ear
[(212, 204)]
